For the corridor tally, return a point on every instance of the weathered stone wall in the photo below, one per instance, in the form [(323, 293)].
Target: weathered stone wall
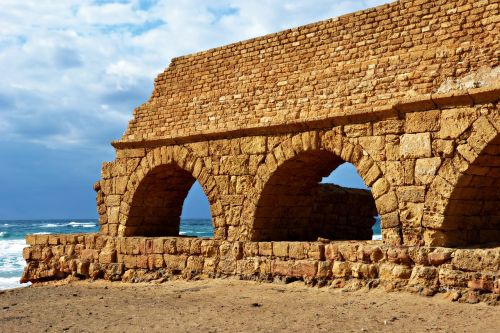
[(325, 211), (407, 92), (431, 163), (467, 274), (338, 67), (339, 213)]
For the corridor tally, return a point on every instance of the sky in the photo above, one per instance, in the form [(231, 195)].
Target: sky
[(73, 71)]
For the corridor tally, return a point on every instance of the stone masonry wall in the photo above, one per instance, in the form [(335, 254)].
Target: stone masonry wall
[(465, 274), (431, 163), (407, 92), (340, 213), (343, 66)]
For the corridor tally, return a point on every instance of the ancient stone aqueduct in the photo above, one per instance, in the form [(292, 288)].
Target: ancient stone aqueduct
[(407, 92)]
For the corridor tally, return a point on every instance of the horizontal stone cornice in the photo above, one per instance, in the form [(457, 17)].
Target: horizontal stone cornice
[(394, 109)]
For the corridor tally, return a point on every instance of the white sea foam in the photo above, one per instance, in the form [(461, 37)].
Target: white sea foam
[(82, 224), (11, 282), (41, 233), (182, 233), (11, 263), (70, 224), (377, 237), (3, 233), (11, 247), (51, 225)]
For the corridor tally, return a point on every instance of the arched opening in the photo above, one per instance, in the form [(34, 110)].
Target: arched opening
[(295, 205), (195, 217), (158, 202), (472, 215), (346, 175)]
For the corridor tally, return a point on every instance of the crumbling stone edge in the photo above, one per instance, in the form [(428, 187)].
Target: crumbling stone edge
[(464, 274)]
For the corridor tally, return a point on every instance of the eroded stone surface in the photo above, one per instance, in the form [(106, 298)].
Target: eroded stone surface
[(368, 263)]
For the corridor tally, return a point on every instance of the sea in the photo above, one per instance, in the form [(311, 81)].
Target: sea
[(12, 240)]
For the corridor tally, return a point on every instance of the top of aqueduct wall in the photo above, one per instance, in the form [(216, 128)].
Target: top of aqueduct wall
[(348, 67)]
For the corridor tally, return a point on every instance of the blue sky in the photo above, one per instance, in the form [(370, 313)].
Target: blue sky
[(73, 71)]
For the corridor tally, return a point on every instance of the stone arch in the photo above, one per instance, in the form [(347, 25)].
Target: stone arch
[(312, 155), (155, 193), (462, 204)]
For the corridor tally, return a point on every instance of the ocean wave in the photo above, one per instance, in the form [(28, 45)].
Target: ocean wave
[(3, 234), (51, 225), (82, 224), (11, 247), (70, 224), (12, 266), (377, 237), (11, 282), (41, 233)]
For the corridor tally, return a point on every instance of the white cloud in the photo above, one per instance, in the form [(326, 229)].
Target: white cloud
[(73, 70)]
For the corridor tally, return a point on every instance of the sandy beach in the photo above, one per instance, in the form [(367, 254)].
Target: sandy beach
[(232, 306)]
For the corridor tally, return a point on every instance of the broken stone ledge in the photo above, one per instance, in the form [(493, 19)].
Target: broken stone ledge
[(466, 274)]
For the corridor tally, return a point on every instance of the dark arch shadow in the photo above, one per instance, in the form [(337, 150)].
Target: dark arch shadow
[(472, 215), (157, 203), (295, 206)]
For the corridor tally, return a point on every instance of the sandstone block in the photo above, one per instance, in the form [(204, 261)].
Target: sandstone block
[(390, 272), (169, 246), (411, 214), (158, 245), (253, 145), (126, 153), (411, 193), (324, 269), (304, 268), (391, 126), (341, 269), (265, 248), (424, 276), (482, 133), (415, 145), (426, 169), (357, 130), (455, 121), (27, 253), (349, 251), (426, 121), (280, 249), (251, 249), (332, 252), (440, 256), (316, 251), (195, 264), (364, 271), (129, 261), (380, 187), (107, 256), (297, 250), (476, 259), (234, 165), (175, 262), (390, 220), (394, 172), (281, 267), (387, 203)]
